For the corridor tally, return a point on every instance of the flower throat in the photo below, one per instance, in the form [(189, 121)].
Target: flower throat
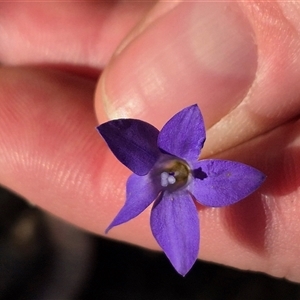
[(172, 173)]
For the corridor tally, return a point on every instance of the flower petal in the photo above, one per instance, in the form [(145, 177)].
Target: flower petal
[(175, 225), (184, 134), (133, 142), (223, 182), (140, 193)]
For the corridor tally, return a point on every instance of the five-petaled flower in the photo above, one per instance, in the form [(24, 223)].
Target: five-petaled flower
[(167, 172)]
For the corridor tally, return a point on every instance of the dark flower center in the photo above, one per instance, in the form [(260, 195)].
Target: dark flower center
[(171, 173)]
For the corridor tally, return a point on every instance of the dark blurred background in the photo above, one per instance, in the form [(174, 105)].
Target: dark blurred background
[(42, 257)]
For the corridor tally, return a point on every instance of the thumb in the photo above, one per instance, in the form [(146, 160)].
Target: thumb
[(238, 61), (182, 53)]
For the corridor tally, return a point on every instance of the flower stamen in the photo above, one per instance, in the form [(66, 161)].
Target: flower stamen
[(167, 178)]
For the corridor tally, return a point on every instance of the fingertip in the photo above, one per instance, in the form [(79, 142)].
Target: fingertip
[(183, 57)]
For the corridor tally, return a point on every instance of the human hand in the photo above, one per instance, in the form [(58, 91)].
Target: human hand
[(243, 74)]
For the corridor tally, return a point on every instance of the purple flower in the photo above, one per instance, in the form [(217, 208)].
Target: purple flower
[(167, 172)]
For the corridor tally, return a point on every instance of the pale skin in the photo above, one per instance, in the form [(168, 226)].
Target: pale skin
[(157, 59)]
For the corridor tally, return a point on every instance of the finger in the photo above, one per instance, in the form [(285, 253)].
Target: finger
[(50, 152), (81, 33), (240, 69)]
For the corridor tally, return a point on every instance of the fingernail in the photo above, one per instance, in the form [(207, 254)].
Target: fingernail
[(201, 53)]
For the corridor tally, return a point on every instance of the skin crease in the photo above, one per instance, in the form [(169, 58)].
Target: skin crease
[(51, 154)]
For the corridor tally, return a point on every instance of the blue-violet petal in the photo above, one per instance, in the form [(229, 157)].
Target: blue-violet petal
[(133, 142), (223, 182), (175, 225), (140, 193), (184, 134)]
